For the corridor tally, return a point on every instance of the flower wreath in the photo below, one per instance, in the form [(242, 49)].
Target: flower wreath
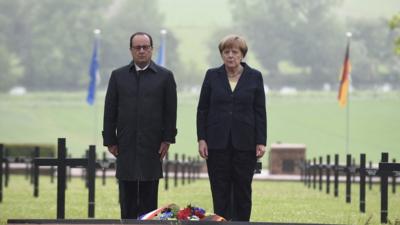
[(173, 212)]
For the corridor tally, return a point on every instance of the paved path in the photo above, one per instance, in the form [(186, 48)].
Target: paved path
[(264, 175)]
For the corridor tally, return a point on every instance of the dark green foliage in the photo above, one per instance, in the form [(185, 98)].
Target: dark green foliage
[(394, 24), (310, 36), (47, 45), (26, 150)]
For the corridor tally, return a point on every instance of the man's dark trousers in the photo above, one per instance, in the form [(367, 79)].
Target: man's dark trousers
[(137, 198)]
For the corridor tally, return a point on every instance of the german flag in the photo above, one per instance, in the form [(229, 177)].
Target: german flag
[(345, 78)]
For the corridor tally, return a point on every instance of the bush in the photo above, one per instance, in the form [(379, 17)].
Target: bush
[(26, 150)]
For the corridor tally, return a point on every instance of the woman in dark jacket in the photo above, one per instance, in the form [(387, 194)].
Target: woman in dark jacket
[(232, 128)]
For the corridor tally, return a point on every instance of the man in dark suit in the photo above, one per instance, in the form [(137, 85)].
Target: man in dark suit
[(139, 125), (232, 129)]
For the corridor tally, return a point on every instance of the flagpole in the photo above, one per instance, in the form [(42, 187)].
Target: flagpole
[(97, 33), (161, 57), (348, 34), (347, 123)]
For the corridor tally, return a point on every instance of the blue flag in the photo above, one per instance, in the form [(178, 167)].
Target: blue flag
[(93, 73), (161, 53)]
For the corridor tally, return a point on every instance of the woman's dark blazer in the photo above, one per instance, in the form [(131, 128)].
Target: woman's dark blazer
[(241, 113)]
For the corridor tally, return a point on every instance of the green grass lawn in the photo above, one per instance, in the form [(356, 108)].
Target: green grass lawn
[(311, 118), (272, 202)]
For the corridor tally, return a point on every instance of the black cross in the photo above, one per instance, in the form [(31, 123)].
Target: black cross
[(1, 172), (386, 169), (105, 164), (62, 162)]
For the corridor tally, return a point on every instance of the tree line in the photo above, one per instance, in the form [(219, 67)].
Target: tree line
[(310, 36), (46, 44)]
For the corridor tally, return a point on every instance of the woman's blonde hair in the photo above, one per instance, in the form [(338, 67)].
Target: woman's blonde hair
[(233, 40)]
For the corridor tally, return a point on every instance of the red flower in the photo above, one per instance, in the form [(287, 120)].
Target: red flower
[(183, 214)]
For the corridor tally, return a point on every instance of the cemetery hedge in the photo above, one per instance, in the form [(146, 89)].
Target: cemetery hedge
[(26, 149)]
